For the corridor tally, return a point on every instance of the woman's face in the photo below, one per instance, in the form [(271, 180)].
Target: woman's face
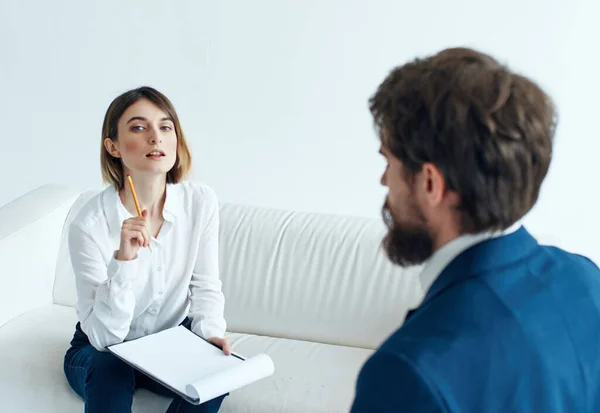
[(147, 142)]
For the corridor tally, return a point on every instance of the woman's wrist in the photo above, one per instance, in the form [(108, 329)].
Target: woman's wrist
[(119, 256)]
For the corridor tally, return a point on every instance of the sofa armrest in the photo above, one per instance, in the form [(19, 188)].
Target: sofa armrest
[(30, 233)]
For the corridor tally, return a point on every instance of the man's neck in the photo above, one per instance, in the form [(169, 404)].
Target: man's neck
[(446, 234)]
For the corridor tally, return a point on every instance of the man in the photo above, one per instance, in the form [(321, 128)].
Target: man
[(506, 325)]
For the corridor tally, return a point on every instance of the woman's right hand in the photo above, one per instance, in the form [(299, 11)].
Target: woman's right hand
[(134, 234)]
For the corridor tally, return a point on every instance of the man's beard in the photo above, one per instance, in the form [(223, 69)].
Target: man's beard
[(406, 244)]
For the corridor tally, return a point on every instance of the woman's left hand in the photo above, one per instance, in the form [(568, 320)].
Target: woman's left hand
[(222, 343)]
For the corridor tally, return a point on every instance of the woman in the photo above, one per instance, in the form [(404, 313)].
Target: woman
[(138, 275)]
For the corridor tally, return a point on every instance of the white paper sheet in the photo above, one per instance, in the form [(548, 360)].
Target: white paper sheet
[(190, 365), (224, 381)]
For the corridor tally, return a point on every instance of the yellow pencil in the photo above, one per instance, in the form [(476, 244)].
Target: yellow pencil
[(135, 200)]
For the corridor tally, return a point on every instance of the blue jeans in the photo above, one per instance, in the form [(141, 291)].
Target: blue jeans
[(107, 384)]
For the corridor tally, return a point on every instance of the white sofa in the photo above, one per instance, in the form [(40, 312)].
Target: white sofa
[(313, 291)]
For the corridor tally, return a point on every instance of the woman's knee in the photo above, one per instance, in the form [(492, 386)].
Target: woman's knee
[(106, 366), (109, 385), (93, 374)]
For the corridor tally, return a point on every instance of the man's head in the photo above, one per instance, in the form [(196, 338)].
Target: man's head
[(468, 144)]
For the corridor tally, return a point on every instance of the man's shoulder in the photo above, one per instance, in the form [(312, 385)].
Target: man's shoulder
[(560, 274), (505, 307), (562, 259)]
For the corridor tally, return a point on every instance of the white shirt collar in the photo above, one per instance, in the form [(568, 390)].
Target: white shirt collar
[(116, 212), (434, 266)]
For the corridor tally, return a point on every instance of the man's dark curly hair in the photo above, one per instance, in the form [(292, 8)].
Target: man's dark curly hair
[(487, 129)]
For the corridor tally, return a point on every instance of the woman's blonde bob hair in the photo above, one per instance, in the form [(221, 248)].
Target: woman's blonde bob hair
[(112, 168)]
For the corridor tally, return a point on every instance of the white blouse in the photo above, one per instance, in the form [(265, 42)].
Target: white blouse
[(178, 277)]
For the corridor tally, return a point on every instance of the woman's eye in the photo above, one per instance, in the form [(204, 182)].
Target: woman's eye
[(138, 127), (166, 127)]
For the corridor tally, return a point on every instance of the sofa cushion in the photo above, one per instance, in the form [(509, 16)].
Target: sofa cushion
[(309, 377), (310, 276)]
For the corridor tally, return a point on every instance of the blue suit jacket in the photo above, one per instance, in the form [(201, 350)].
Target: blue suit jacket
[(508, 326)]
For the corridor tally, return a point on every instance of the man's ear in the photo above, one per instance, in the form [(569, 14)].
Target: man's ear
[(435, 184), (436, 187), (111, 148)]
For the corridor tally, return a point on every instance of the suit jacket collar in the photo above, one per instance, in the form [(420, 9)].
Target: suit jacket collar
[(442, 257), (487, 255)]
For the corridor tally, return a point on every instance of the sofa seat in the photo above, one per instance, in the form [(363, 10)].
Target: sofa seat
[(310, 377)]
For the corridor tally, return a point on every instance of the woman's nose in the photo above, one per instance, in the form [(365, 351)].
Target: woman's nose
[(152, 139)]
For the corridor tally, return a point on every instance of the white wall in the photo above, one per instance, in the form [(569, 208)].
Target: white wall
[(273, 94)]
